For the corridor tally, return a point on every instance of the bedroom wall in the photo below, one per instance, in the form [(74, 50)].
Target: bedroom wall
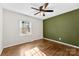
[(1, 28), (11, 28), (63, 28)]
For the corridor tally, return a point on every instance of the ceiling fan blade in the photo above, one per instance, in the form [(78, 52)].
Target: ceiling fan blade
[(45, 5), (40, 8), (48, 10), (36, 13), (34, 8)]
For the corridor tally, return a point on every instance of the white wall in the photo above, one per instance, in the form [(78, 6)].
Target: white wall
[(11, 34), (1, 28)]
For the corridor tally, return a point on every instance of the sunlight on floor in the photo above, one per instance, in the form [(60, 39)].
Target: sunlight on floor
[(33, 52)]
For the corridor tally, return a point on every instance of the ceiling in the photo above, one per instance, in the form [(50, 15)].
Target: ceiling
[(25, 8)]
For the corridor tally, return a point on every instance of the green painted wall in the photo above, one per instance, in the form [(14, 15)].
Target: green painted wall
[(65, 26)]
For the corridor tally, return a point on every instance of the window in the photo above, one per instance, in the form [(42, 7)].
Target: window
[(25, 28)]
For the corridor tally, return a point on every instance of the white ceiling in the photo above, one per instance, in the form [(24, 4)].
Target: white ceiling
[(25, 8)]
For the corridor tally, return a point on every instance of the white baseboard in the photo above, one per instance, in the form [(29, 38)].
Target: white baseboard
[(62, 43), (18, 43)]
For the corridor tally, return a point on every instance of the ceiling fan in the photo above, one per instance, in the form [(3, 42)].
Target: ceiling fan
[(42, 9)]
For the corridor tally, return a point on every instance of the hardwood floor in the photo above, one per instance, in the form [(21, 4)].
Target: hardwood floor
[(40, 48)]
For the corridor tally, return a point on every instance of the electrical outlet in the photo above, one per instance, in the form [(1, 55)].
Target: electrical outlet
[(59, 38)]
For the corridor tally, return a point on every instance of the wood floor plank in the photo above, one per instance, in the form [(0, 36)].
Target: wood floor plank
[(40, 48)]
